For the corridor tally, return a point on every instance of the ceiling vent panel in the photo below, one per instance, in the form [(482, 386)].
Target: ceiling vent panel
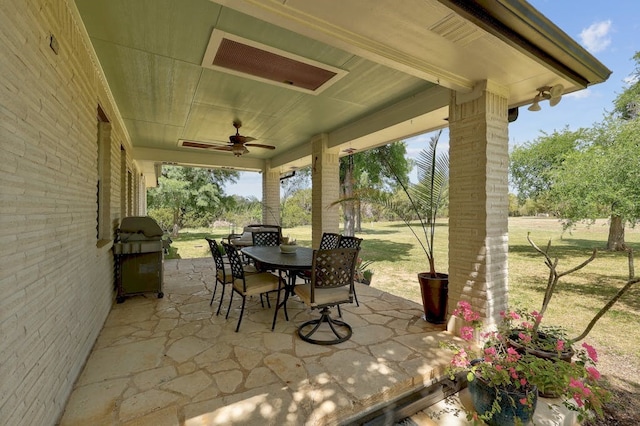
[(456, 30), (232, 54)]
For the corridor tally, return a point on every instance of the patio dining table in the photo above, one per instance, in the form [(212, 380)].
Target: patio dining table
[(273, 258)]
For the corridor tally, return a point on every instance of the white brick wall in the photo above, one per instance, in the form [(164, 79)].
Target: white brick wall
[(478, 203), (56, 283), (325, 172), (270, 196)]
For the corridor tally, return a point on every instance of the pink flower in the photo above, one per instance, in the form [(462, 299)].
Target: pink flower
[(527, 325), (591, 352), (498, 367), (525, 338), (537, 316), (524, 401), (593, 373), (513, 315), (489, 354), (460, 359), (513, 372), (579, 389), (512, 355), (466, 333), (560, 345), (523, 381), (578, 399)]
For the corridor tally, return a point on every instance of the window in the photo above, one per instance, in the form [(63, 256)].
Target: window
[(103, 196)]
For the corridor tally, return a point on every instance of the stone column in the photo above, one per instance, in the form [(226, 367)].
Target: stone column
[(270, 195), (325, 181), (478, 201)]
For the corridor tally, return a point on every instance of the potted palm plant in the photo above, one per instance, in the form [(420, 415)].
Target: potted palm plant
[(419, 213)]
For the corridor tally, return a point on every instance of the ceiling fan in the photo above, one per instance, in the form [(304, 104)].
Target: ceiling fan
[(238, 143)]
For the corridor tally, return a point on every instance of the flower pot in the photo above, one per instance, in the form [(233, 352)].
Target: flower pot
[(514, 342), (435, 292), (553, 356), (512, 410)]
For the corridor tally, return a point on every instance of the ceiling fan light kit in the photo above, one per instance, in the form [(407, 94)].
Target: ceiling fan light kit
[(552, 93), (237, 144)]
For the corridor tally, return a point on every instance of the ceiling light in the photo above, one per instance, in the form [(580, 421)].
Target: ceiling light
[(535, 106), (552, 93), (239, 149)]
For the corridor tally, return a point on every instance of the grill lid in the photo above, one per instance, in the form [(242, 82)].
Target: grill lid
[(144, 225)]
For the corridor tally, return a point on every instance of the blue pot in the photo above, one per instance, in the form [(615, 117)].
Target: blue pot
[(512, 412)]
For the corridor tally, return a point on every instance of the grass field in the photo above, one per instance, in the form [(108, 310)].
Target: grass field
[(398, 258)]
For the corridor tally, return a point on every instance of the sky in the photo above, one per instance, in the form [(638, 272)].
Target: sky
[(609, 30)]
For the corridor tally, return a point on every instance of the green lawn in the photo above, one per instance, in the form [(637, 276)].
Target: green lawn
[(398, 258)]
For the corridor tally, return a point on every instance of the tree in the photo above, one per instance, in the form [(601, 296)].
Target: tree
[(297, 210), (532, 165), (588, 174), (190, 193), (603, 179), (627, 104), (366, 170)]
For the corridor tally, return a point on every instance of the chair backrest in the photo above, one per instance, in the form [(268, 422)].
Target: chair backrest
[(216, 254), (237, 271), (329, 241), (266, 238), (349, 242), (333, 269)]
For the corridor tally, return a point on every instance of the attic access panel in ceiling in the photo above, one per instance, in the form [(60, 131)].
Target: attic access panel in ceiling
[(239, 56)]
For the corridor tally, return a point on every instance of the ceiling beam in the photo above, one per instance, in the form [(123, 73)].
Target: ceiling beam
[(198, 159), (283, 15)]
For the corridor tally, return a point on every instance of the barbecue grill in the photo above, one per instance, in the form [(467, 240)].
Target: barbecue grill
[(138, 251)]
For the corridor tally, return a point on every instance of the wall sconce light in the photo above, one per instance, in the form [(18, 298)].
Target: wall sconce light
[(552, 93)]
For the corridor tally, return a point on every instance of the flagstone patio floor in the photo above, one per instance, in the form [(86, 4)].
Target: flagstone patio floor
[(172, 361)]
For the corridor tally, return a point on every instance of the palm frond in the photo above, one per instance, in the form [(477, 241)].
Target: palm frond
[(425, 197)]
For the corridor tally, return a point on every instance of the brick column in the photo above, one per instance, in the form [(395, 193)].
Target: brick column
[(478, 201), (325, 181), (270, 195)]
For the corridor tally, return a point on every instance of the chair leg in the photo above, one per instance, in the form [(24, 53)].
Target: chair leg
[(339, 312), (355, 296), (215, 288), (229, 307), (221, 298), (325, 316), (244, 299)]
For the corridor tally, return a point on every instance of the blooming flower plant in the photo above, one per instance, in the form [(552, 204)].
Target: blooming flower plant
[(501, 365)]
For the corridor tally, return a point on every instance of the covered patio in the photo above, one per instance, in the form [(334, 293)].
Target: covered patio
[(97, 96), (172, 361)]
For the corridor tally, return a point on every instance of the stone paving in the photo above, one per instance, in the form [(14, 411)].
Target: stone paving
[(172, 361)]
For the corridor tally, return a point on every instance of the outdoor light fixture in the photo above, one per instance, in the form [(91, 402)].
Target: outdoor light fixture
[(552, 93), (238, 149)]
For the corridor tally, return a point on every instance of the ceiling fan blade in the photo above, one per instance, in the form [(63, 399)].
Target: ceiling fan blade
[(202, 145), (259, 145), (221, 148)]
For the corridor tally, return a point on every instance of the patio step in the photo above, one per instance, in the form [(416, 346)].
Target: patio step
[(401, 411)]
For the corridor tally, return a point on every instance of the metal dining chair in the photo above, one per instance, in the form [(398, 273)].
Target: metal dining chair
[(247, 285), (266, 238), (223, 271), (331, 285), (328, 241), (350, 242)]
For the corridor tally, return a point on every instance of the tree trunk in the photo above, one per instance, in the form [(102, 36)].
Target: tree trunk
[(616, 234), (349, 208), (358, 217)]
